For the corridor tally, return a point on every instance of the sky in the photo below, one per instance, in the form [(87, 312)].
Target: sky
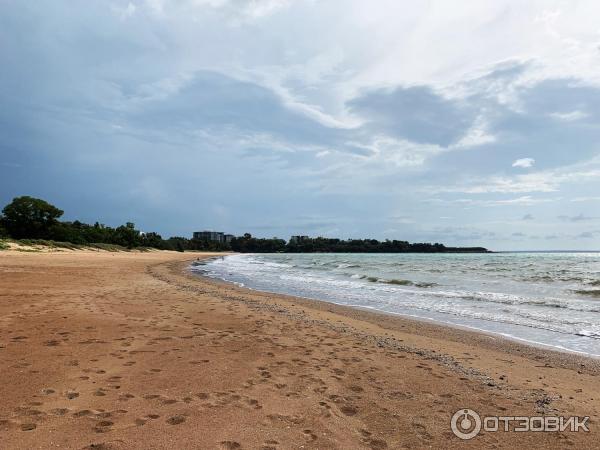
[(466, 123)]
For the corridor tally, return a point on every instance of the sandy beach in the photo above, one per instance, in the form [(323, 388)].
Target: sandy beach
[(103, 350)]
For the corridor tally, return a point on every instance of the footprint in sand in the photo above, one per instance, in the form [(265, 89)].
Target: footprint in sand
[(310, 435), (100, 446), (151, 396), (28, 426), (349, 410), (175, 420), (377, 444), (103, 426), (230, 445)]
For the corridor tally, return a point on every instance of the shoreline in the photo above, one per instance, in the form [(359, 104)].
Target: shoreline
[(429, 327), (127, 351), (514, 340)]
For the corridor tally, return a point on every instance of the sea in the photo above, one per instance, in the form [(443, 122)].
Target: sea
[(546, 299)]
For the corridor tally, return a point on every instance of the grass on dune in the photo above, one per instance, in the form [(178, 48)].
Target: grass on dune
[(32, 245)]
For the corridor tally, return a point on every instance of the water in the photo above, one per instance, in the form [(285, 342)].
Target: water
[(550, 299)]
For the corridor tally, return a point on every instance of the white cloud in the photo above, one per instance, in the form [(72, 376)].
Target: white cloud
[(542, 181), (399, 152), (526, 200), (586, 199), (578, 218), (477, 135), (125, 11), (524, 162), (534, 183), (569, 116)]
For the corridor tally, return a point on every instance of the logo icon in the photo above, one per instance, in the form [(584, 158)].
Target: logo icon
[(465, 424)]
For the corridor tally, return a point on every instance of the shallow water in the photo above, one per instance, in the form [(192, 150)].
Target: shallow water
[(549, 299)]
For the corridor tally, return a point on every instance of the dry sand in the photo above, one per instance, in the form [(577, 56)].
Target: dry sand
[(127, 350)]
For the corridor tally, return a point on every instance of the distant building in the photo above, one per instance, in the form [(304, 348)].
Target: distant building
[(214, 236), (298, 239), (228, 238)]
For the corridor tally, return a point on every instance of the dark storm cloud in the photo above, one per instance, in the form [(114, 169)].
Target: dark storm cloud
[(414, 113)]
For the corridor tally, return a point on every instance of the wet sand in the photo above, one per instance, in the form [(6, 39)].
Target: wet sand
[(128, 350)]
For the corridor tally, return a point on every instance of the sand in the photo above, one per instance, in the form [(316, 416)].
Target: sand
[(128, 350)]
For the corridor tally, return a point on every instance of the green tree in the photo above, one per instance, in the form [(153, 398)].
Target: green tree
[(152, 239), (127, 236), (29, 217)]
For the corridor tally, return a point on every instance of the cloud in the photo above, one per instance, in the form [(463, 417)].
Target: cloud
[(524, 162), (585, 199), (476, 136), (415, 113), (569, 116), (464, 234), (124, 12), (231, 11), (525, 200), (528, 217), (541, 181), (399, 152), (587, 235), (577, 218)]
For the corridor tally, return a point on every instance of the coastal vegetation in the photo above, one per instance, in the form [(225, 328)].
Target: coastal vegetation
[(34, 221)]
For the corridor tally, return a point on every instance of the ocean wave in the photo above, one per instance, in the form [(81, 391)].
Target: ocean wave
[(509, 299), (588, 292), (595, 334), (397, 282), (539, 278), (348, 266)]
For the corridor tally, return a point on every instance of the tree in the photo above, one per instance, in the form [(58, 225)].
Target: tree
[(28, 217), (127, 236), (152, 239)]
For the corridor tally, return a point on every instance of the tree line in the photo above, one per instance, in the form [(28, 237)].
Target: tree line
[(35, 219)]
